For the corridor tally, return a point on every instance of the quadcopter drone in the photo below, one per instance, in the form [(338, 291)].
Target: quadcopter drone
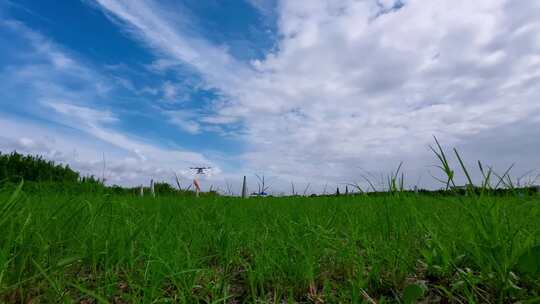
[(200, 170)]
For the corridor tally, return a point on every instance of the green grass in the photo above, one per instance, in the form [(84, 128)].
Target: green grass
[(98, 248)]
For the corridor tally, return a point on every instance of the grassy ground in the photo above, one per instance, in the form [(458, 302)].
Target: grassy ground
[(91, 248)]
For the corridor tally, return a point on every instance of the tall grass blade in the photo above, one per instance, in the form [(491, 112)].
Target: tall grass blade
[(469, 179)]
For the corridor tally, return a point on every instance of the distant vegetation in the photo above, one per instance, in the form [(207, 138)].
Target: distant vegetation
[(15, 166), (39, 173)]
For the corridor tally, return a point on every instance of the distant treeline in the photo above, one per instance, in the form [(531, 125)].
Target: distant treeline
[(40, 174), (15, 166), (461, 191)]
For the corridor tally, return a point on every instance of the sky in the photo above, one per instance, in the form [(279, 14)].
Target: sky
[(317, 93)]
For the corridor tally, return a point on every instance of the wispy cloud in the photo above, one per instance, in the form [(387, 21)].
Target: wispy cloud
[(81, 115), (186, 120), (266, 7), (158, 28)]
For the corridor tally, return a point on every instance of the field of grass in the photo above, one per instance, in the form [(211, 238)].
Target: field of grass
[(394, 248)]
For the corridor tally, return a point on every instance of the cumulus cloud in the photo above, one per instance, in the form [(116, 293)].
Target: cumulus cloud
[(362, 85)]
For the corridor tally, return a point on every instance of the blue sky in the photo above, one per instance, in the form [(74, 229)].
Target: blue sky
[(312, 92), (84, 32)]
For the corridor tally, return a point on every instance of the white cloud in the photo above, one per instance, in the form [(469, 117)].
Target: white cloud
[(185, 120), (169, 90), (81, 115), (359, 84), (265, 7), (177, 92)]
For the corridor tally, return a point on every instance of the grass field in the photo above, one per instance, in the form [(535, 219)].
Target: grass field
[(398, 248)]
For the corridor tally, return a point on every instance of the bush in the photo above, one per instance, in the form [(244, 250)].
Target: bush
[(15, 166)]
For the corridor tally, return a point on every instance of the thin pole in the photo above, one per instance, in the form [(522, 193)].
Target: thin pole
[(244, 188)]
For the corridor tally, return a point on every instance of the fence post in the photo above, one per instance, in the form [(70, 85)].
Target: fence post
[(141, 191), (152, 191), (244, 188)]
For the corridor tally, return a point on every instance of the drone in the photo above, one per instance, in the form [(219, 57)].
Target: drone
[(200, 170)]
